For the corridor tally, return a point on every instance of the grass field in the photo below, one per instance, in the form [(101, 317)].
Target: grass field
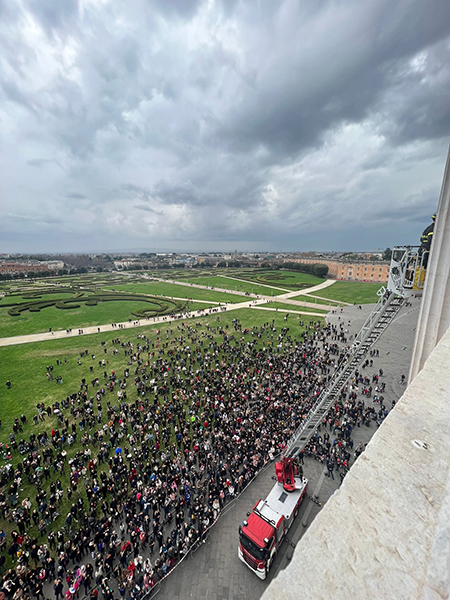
[(316, 300), (85, 287), (176, 291), (276, 277), (73, 306), (283, 306), (26, 367), (25, 364), (233, 284), (20, 299), (84, 316), (95, 279), (65, 289), (351, 291), (289, 280)]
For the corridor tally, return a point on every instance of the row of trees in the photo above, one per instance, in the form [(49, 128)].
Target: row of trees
[(317, 269), (39, 274)]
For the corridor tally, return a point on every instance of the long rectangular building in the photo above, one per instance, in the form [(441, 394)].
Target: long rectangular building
[(375, 271)]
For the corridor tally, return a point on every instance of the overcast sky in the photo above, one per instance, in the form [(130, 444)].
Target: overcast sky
[(221, 124)]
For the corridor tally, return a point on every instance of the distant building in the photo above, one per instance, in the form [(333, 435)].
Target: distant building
[(351, 271), (14, 268), (54, 265)]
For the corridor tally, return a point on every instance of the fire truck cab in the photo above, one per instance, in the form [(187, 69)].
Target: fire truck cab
[(263, 532)]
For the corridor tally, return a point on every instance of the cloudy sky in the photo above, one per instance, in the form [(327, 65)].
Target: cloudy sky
[(221, 124)]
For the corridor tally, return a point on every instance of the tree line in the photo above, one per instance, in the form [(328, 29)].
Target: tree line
[(318, 269)]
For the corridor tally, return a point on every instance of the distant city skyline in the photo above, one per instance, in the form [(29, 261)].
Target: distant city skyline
[(163, 251), (211, 125)]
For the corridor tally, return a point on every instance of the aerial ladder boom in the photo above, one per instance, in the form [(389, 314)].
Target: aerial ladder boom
[(406, 276)]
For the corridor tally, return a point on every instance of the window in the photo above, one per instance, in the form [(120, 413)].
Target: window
[(251, 547)]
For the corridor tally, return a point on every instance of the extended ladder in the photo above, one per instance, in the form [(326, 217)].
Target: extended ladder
[(376, 323)]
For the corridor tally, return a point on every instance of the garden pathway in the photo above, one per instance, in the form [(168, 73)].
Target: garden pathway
[(60, 334)]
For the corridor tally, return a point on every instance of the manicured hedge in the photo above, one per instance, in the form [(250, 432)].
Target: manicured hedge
[(158, 306)]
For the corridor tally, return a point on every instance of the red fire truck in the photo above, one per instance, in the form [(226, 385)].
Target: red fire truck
[(263, 532)]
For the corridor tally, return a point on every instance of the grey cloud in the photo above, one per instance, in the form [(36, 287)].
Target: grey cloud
[(181, 193), (137, 191), (228, 6), (148, 209), (185, 9), (419, 106), (40, 162), (263, 122), (13, 93), (76, 196), (54, 14), (339, 79), (8, 10), (33, 219)]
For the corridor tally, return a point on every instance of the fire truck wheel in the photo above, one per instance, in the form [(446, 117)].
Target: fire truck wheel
[(295, 512)]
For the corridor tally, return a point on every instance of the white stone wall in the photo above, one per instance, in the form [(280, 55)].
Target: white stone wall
[(434, 319)]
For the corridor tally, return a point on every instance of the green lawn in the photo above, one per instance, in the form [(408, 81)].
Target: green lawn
[(21, 292), (89, 278), (170, 290), (95, 286), (74, 318), (232, 284), (281, 306), (26, 366), (11, 299), (351, 291), (316, 299), (6, 285), (289, 280)]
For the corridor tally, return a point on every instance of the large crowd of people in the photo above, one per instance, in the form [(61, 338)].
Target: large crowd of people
[(150, 455)]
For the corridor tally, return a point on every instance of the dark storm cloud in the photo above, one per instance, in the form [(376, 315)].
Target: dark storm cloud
[(274, 123), (340, 78), (419, 98), (184, 192)]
